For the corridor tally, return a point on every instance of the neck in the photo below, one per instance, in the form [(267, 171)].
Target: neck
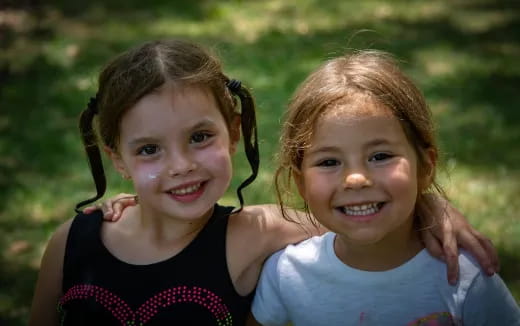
[(167, 231), (390, 252)]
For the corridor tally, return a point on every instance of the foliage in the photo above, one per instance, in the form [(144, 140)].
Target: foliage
[(463, 54)]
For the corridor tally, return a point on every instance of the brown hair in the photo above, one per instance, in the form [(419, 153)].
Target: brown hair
[(141, 70), (371, 73)]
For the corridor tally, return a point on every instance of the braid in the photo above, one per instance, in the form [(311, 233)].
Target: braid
[(93, 154), (249, 131)]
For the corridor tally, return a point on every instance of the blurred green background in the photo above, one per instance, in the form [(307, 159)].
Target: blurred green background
[(462, 54)]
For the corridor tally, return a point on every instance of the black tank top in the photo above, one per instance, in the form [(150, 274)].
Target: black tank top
[(191, 288)]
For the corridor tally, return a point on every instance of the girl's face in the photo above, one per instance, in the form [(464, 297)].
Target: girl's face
[(176, 148), (359, 175)]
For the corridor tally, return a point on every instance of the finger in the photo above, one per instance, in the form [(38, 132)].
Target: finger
[(108, 212), (90, 209), (432, 244), (490, 249), (121, 203), (482, 249), (118, 208), (451, 253), (492, 252)]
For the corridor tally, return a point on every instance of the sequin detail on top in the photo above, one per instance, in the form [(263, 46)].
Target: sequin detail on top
[(122, 311)]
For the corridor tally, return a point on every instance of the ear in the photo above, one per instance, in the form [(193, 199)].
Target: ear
[(234, 133), (299, 181), (117, 161)]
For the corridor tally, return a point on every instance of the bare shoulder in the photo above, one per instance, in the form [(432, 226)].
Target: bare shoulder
[(265, 226), (56, 245), (48, 285), (253, 234)]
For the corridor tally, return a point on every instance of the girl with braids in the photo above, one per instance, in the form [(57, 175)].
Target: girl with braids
[(169, 120), (358, 144)]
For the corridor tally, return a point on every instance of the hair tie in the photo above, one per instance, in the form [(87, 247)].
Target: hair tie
[(92, 105), (234, 85)]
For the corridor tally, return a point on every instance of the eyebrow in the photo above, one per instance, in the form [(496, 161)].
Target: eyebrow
[(379, 141), (372, 143), (142, 140), (205, 123)]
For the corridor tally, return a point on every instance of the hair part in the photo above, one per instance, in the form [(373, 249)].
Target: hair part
[(140, 71), (369, 73)]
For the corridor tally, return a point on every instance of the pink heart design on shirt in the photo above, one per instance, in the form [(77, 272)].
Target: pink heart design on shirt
[(122, 311)]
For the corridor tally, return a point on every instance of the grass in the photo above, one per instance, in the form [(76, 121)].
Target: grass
[(462, 54)]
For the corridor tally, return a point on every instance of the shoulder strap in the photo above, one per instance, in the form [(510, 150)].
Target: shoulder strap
[(83, 238)]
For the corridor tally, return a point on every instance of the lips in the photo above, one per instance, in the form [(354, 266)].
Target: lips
[(185, 190), (364, 209)]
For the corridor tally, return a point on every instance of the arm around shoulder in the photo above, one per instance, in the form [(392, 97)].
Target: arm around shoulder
[(48, 286), (278, 232)]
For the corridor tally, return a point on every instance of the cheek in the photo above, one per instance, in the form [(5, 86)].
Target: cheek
[(317, 188), (403, 181), (146, 176), (216, 159)]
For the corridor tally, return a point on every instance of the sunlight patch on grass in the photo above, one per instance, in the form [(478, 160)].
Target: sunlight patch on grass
[(489, 200), (61, 52), (444, 61), (481, 21)]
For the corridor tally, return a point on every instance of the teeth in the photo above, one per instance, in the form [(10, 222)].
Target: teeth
[(187, 190), (359, 210)]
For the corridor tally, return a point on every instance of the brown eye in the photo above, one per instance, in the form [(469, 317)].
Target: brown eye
[(199, 137), (328, 162), (380, 157), (147, 150)]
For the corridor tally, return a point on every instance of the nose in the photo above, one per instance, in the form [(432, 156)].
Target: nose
[(180, 164), (357, 180)]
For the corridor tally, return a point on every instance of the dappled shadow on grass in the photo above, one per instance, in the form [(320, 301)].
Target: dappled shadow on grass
[(482, 126), (192, 9), (510, 270), (41, 99), (17, 284), (19, 256)]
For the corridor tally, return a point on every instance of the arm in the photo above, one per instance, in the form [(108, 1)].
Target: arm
[(48, 286), (443, 239), (253, 235)]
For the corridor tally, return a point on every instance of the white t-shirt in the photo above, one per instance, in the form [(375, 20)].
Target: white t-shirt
[(307, 284)]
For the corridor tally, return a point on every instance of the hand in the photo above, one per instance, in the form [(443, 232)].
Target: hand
[(113, 207), (450, 229)]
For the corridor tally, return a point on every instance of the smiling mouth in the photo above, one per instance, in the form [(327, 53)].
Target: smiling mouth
[(186, 190), (362, 210)]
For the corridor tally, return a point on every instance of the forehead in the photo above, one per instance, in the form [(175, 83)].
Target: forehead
[(356, 104), (171, 108), (352, 110), (176, 98), (356, 123)]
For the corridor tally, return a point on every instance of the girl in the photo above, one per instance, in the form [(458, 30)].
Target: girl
[(168, 120), (358, 143)]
